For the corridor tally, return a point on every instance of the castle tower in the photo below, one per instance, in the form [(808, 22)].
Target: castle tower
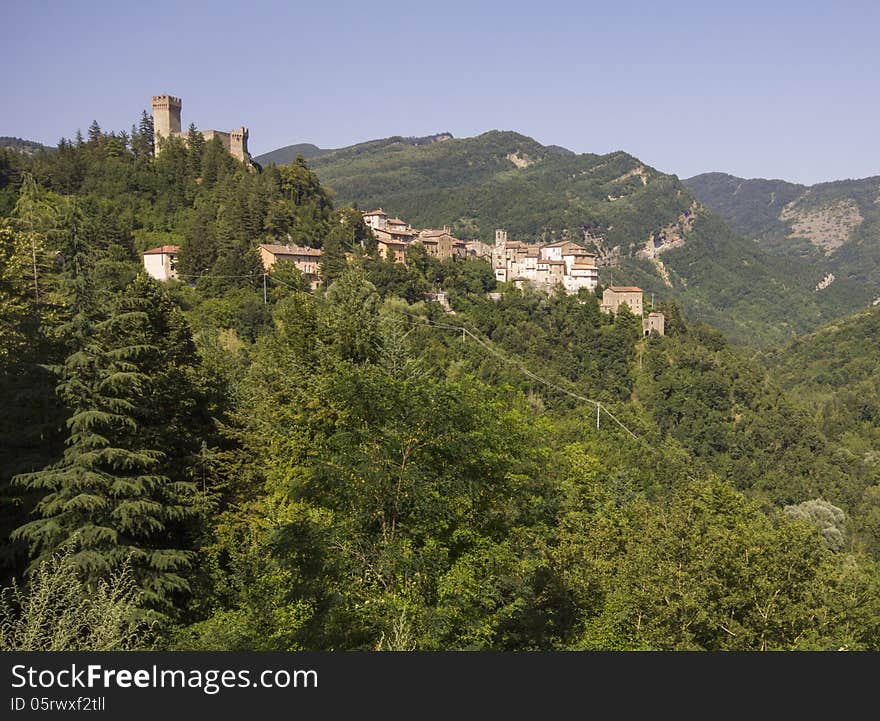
[(500, 236), (166, 117), (238, 144)]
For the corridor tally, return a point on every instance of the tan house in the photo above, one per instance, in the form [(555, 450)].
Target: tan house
[(390, 249), (161, 262), (441, 244), (305, 259), (616, 295), (396, 224)]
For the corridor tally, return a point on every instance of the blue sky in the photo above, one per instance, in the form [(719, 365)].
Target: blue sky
[(758, 89)]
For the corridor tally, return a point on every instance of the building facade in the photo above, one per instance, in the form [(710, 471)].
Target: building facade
[(305, 259), (615, 296), (161, 262)]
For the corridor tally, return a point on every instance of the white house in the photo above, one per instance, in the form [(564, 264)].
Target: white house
[(161, 262)]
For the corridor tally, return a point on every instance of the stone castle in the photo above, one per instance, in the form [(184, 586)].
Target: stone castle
[(166, 123)]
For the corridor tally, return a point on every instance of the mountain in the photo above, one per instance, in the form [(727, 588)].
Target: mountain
[(20, 145), (834, 227), (287, 154), (646, 226)]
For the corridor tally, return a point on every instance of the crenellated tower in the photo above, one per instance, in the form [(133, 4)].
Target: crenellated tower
[(238, 144), (166, 118)]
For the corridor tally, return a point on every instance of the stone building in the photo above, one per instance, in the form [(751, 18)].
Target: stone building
[(305, 259), (441, 244), (375, 219), (478, 249), (562, 263), (161, 262), (655, 321), (616, 295), (166, 124)]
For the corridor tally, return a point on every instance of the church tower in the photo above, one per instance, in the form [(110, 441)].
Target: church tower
[(166, 118)]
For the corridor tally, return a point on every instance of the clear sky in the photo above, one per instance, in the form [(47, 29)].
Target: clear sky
[(758, 89)]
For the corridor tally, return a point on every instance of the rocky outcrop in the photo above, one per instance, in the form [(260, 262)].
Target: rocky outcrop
[(827, 226), (671, 236)]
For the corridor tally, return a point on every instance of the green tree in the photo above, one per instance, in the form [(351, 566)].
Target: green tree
[(105, 494)]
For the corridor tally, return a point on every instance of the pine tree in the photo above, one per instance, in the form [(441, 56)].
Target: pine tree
[(105, 497), (147, 133), (195, 149), (333, 261), (95, 135)]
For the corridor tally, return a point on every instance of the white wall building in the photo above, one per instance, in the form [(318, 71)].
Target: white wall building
[(161, 262)]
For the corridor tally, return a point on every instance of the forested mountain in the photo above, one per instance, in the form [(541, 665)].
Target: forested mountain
[(20, 145), (354, 468), (307, 151), (834, 227), (654, 234), (289, 153)]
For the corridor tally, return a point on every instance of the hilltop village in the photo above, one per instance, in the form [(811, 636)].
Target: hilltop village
[(543, 266)]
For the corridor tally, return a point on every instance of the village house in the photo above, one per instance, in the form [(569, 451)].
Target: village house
[(375, 219), (561, 263), (305, 259), (441, 244), (392, 247), (616, 295), (161, 262), (393, 237)]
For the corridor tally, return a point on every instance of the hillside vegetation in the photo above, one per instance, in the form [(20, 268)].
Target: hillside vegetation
[(835, 373), (354, 468)]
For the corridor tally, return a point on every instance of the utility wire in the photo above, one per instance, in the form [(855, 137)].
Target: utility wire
[(461, 329), (525, 371)]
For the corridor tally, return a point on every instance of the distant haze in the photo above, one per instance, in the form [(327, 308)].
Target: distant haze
[(770, 89)]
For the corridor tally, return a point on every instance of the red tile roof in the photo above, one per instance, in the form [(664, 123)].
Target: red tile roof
[(625, 288), (166, 249), (289, 249)]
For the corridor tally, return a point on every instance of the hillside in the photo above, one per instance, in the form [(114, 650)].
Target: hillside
[(308, 151), (833, 227), (835, 373), (354, 468), (651, 229), (288, 154), (20, 145)]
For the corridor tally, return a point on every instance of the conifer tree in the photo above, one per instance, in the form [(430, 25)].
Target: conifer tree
[(146, 132), (333, 260), (195, 149), (105, 497)]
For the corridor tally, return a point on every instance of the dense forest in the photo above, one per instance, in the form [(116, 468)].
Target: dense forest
[(205, 464)]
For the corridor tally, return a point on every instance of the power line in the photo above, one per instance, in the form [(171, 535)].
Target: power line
[(525, 371), (467, 332), (209, 275)]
